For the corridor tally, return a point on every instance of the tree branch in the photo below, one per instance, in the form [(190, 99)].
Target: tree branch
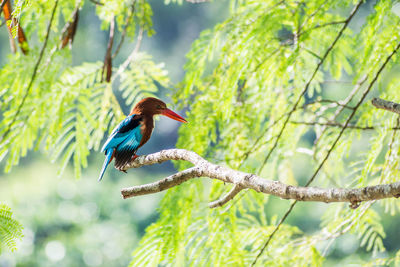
[(164, 184), (336, 124), (387, 105), (204, 168), (225, 199), (96, 2)]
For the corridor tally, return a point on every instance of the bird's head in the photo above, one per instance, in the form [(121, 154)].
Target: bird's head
[(152, 106)]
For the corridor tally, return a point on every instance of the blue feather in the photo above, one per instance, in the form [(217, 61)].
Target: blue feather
[(126, 136), (124, 130), (106, 162)]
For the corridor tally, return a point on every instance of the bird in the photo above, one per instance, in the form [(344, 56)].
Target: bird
[(133, 132)]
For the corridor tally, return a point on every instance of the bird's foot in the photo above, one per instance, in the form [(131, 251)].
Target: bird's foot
[(134, 157)]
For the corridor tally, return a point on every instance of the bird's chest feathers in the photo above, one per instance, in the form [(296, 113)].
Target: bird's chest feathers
[(146, 128)]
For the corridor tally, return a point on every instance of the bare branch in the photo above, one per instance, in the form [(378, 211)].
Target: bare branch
[(225, 199), (164, 184), (387, 105), (204, 168)]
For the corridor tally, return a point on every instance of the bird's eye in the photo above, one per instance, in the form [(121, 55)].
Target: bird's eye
[(159, 107)]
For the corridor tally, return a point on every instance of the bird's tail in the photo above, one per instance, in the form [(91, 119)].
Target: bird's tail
[(107, 161)]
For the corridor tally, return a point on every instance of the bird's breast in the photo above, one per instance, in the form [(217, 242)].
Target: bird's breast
[(147, 126)]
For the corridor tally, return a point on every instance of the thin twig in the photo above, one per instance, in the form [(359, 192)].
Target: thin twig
[(128, 19), (96, 2), (312, 15), (336, 124), (348, 99), (131, 56), (225, 199), (322, 26), (28, 89)]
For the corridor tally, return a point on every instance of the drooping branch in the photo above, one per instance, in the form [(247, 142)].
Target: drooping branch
[(204, 168)]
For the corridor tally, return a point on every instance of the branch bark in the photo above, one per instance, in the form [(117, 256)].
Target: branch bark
[(204, 168), (387, 105), (225, 199)]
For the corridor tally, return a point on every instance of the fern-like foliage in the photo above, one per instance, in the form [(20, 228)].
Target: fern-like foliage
[(10, 229)]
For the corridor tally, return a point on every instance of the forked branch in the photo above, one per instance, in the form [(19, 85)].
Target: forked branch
[(204, 168)]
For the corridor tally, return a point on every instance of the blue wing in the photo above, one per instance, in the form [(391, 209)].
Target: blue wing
[(126, 135), (124, 139)]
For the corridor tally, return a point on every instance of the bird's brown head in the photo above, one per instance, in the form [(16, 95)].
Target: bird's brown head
[(151, 106)]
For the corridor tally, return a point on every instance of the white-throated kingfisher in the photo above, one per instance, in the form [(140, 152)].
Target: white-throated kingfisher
[(133, 132)]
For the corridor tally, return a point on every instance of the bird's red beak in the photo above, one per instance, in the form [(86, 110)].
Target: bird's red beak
[(170, 114)]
